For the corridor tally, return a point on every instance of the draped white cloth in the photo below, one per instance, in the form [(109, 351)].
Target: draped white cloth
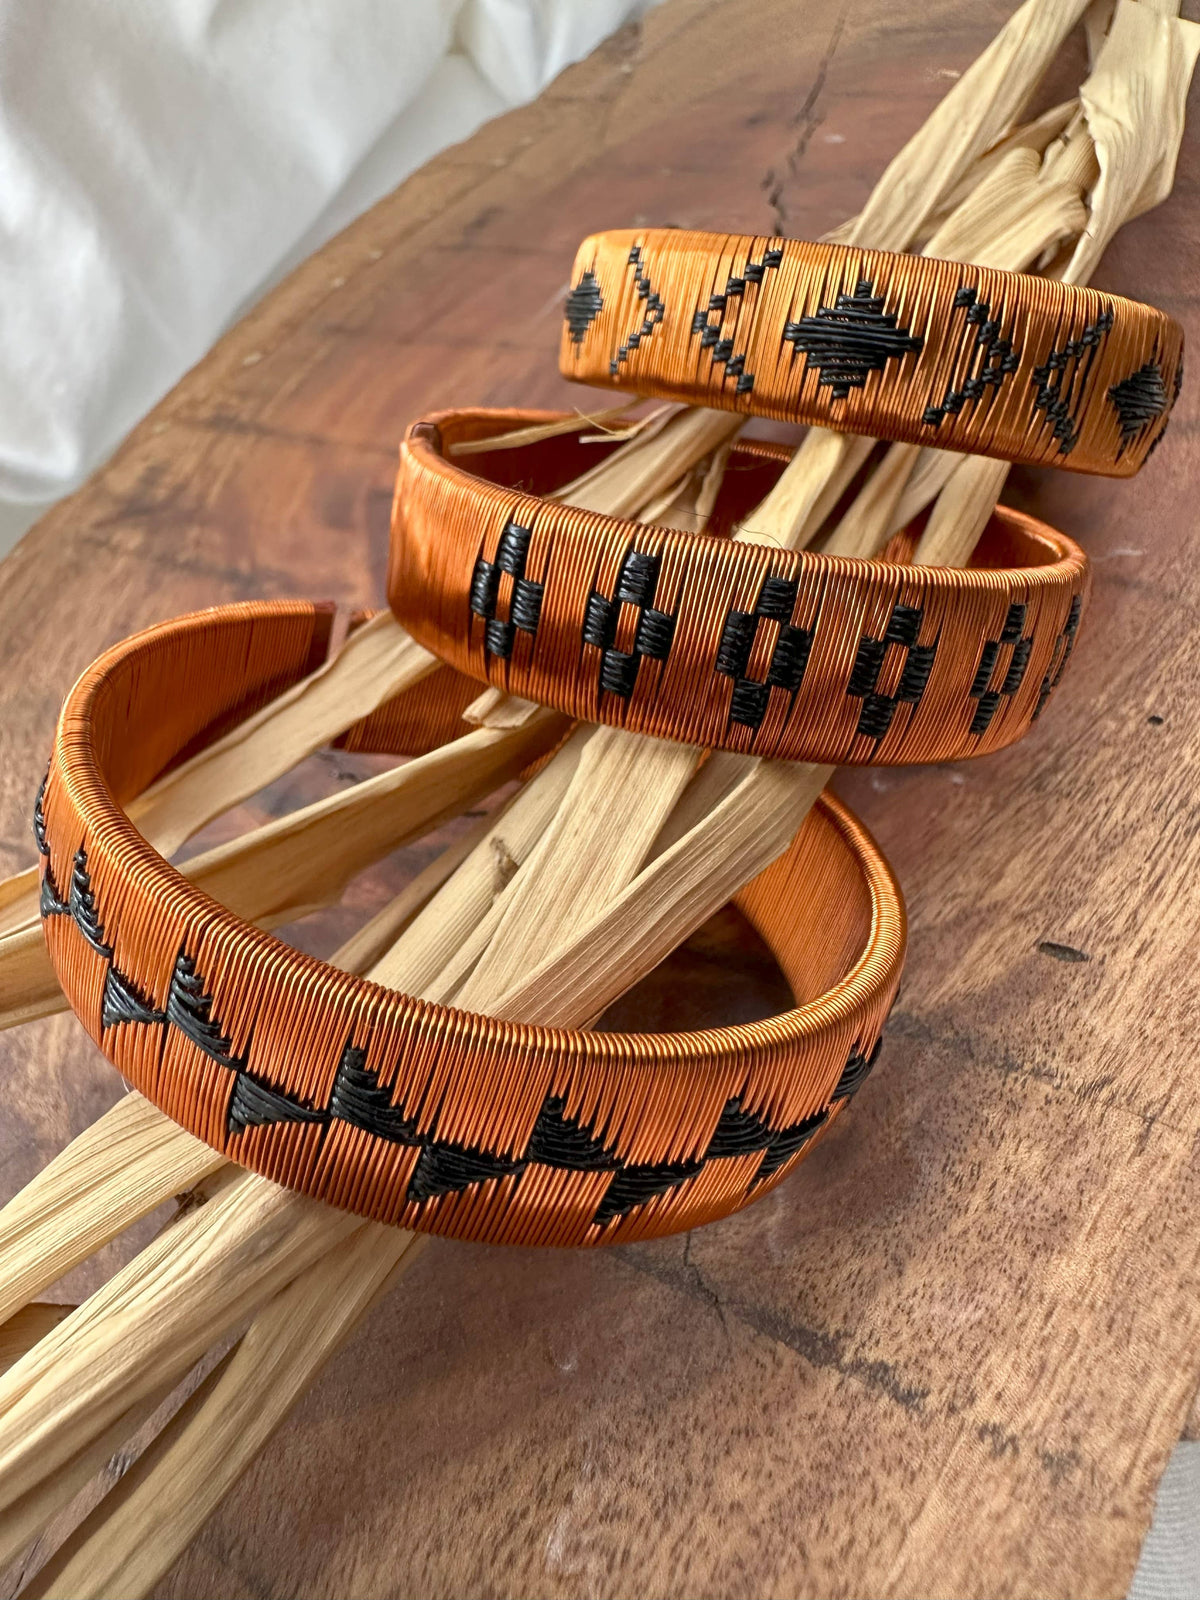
[(160, 163)]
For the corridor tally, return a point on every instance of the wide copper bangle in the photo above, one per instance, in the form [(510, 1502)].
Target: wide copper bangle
[(720, 643), (895, 346), (402, 1110)]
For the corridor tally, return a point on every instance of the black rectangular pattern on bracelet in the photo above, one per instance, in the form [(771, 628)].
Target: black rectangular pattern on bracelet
[(636, 586), (789, 655), (988, 699), (525, 605), (902, 631)]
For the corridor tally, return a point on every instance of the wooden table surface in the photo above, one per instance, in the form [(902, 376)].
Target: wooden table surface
[(952, 1354)]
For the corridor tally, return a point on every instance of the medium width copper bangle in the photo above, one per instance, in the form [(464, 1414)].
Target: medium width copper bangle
[(721, 643), (899, 347), (402, 1110)]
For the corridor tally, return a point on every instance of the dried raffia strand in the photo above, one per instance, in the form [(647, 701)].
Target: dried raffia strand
[(216, 1266), (917, 185), (287, 868), (636, 474), (612, 422), (185, 1474), (26, 1518), (430, 941), (376, 661), (642, 778), (129, 1161)]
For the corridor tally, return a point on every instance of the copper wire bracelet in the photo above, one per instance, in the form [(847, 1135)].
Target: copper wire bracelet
[(903, 347), (720, 643), (399, 1109)]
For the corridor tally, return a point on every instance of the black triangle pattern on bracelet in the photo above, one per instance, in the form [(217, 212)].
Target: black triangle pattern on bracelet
[(444, 1166), (124, 1002), (255, 1104), (358, 1098), (82, 905), (50, 901), (189, 1008)]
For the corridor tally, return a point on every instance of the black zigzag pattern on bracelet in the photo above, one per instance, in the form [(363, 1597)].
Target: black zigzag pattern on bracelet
[(443, 1166), (986, 357), (724, 305), (652, 316), (1062, 379)]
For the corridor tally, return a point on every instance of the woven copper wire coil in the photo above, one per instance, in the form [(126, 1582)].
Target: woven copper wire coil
[(714, 642), (401, 1110), (895, 346)]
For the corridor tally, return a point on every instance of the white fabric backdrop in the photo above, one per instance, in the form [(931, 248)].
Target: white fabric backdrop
[(160, 163)]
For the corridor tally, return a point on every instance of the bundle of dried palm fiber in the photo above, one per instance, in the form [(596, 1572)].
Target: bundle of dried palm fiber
[(218, 1326)]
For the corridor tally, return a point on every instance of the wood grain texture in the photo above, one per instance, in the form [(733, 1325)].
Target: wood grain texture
[(951, 1355)]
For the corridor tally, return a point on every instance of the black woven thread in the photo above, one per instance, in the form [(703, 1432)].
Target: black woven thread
[(189, 1009), (123, 1002), (525, 606), (983, 361), (1140, 399), (358, 1099), (713, 337), (846, 342), (635, 1185), (856, 1071), (651, 319), (254, 1104), (584, 305), (984, 690), (82, 905), (561, 1141), (654, 631), (1061, 654), (50, 901), (1062, 381), (39, 817), (443, 1166), (902, 631), (789, 655)]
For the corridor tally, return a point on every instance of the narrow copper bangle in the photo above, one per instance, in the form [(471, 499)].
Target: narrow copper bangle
[(398, 1109), (895, 346), (796, 656)]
